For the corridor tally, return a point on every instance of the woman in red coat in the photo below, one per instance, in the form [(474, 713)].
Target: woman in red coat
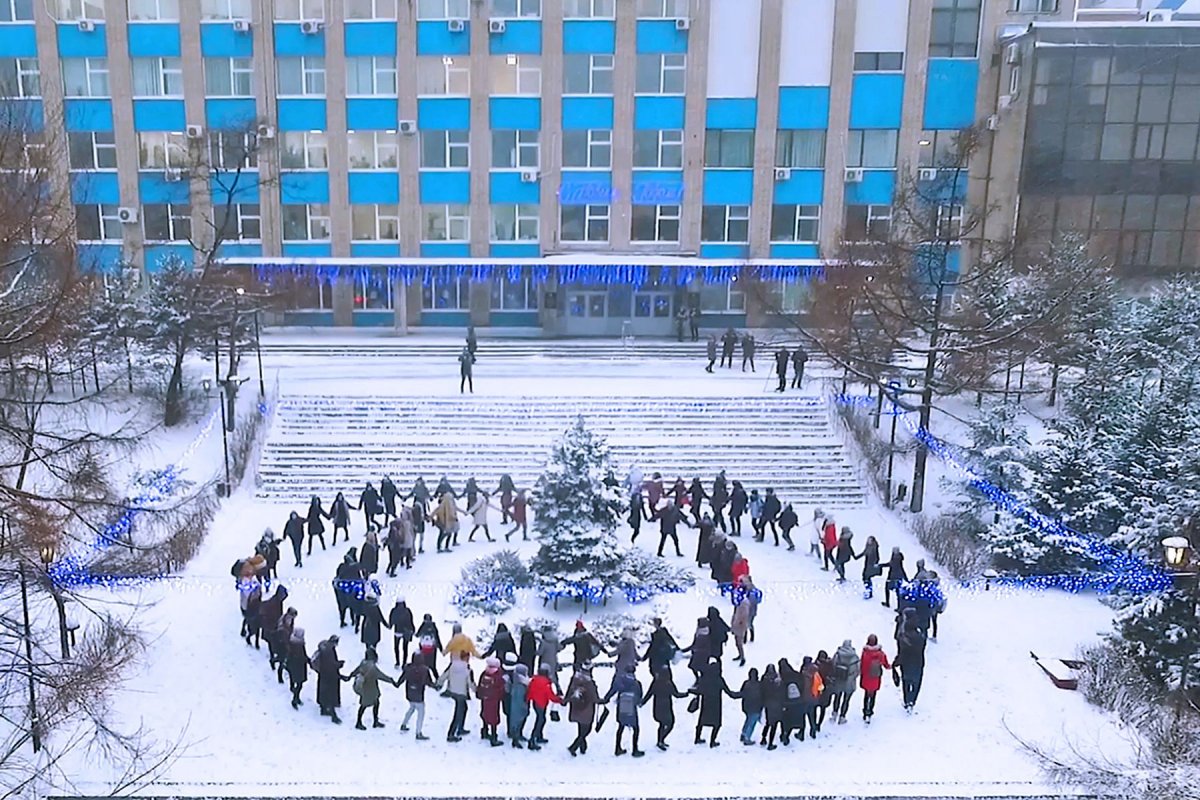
[(829, 540), (490, 691), (740, 569), (874, 661)]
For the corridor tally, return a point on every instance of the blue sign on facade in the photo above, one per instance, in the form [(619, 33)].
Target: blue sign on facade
[(645, 193)]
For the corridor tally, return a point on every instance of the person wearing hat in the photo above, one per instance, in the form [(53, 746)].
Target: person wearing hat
[(460, 643), (429, 642), (416, 678), (627, 655), (517, 701), (372, 620), (541, 692), (296, 663), (400, 620), (329, 678), (547, 652), (628, 691), (490, 691)]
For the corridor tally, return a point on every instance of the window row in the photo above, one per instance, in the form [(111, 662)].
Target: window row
[(160, 150), (163, 222)]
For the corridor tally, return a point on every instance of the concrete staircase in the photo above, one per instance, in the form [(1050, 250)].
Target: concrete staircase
[(325, 444)]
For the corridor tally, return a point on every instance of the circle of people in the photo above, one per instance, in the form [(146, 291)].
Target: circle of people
[(788, 702)]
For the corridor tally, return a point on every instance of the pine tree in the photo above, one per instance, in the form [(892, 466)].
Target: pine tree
[(578, 505)]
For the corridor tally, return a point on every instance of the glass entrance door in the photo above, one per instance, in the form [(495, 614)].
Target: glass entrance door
[(653, 313)]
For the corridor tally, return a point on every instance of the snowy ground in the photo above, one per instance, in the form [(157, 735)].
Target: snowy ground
[(202, 684)]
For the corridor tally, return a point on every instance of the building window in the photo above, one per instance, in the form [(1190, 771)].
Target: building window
[(872, 149), (167, 223), (92, 149), (795, 223), (305, 223), (514, 9), (443, 9), (658, 149), (1033, 6), (515, 223), (725, 224), (585, 73), (590, 149), (520, 294), (584, 224), (153, 10), (373, 150), (16, 10), (515, 150), (955, 29), (299, 9), (24, 150), (370, 76), (373, 291), (867, 223), (371, 223), (157, 77), (20, 77), (589, 9), (722, 298), (299, 76), (239, 221), (97, 223), (729, 149), (303, 150), (938, 149), (371, 9), (661, 73), (516, 75), (162, 150), (800, 149), (949, 222), (443, 75), (879, 62), (228, 77), (588, 304), (445, 149), (655, 224), (448, 223), (445, 292), (85, 77), (73, 10), (658, 9), (232, 150), (224, 9)]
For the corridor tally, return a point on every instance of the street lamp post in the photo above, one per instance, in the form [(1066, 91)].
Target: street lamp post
[(262, 384), (35, 724), (1183, 563), (208, 385), (47, 554)]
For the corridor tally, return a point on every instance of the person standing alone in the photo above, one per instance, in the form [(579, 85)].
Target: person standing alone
[(466, 362), (781, 364)]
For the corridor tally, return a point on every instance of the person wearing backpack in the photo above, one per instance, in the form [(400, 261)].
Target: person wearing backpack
[(628, 691), (844, 678), (812, 689), (366, 677), (429, 643), (709, 688), (664, 693), (871, 667), (752, 705), (416, 678)]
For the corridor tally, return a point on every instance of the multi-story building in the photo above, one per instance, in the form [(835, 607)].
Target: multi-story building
[(569, 165)]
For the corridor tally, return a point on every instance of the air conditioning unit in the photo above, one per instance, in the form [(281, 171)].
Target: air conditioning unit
[(1160, 15), (195, 131), (854, 174), (86, 25), (408, 127), (173, 175), (311, 27), (682, 24), (241, 25), (993, 122), (496, 26), (1012, 54), (529, 176), (926, 174), (783, 174), (456, 25), (1004, 102), (266, 131), (127, 215)]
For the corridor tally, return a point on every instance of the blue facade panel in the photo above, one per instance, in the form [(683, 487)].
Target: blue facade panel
[(734, 187), (445, 187), (589, 36), (581, 113), (806, 187), (159, 115), (444, 250), (515, 113), (19, 41), (660, 36), (230, 113), (507, 187), (659, 187), (153, 39), (374, 187), (220, 39), (99, 257), (877, 188), (240, 250), (434, 38), (739, 113), (373, 318), (444, 113), (307, 250), (370, 38), (291, 41), (578, 187), (654, 112), (372, 114), (876, 101), (808, 251), (95, 187), (296, 188), (950, 93), (724, 250), (804, 107), (520, 36), (301, 114), (74, 43), (514, 250), (27, 113), (243, 188), (87, 114), (375, 250), (158, 256), (153, 187)]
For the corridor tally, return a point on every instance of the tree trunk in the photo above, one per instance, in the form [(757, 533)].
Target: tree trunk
[(917, 504), (95, 368), (1054, 370), (49, 374), (173, 412), (128, 363)]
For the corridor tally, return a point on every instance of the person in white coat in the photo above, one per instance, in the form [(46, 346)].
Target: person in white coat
[(479, 511)]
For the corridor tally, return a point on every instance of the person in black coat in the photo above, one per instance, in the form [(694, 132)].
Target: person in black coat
[(710, 687), (637, 513), (748, 347), (472, 342), (696, 495), (669, 518), (704, 541), (316, 528), (329, 678), (400, 620), (728, 343), (428, 633), (910, 659), (719, 499), (664, 693), (586, 645), (718, 632), (296, 663), (694, 323), (773, 704), (466, 363), (371, 505), (339, 515), (712, 352), (420, 492), (372, 621), (527, 648), (419, 515), (662, 648), (502, 644), (799, 359), (444, 487), (781, 364), (293, 531), (871, 568), (895, 576), (770, 515), (470, 491), (752, 705), (368, 558), (787, 521), (738, 502), (506, 490), (389, 493), (347, 582)]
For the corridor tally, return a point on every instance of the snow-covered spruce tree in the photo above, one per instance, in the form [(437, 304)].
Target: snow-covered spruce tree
[(577, 506)]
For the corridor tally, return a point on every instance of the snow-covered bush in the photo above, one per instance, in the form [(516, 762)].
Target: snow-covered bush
[(644, 575), (488, 585), (953, 541)]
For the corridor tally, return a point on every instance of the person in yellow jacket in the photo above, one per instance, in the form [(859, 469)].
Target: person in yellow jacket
[(445, 517), (460, 643)]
